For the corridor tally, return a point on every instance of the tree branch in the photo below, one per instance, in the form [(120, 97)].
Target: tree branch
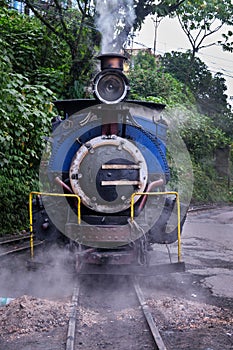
[(60, 15), (80, 6), (187, 32), (40, 17), (207, 45), (206, 35)]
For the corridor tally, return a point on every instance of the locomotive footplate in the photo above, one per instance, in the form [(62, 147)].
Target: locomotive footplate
[(132, 270), (90, 235)]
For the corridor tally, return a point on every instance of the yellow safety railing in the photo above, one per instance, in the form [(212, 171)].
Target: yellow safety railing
[(53, 195), (178, 212)]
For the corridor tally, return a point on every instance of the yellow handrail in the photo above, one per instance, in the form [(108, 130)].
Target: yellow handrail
[(178, 212), (54, 195)]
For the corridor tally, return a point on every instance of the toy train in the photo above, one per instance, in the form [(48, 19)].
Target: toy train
[(104, 174)]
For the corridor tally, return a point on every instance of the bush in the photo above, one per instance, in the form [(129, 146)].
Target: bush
[(26, 114), (13, 204), (208, 187)]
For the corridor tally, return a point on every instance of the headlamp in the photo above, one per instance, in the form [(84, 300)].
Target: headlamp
[(111, 85)]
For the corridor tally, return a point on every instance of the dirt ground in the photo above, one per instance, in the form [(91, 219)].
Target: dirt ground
[(110, 318), (189, 314)]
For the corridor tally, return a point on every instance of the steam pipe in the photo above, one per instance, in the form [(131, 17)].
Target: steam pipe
[(152, 185), (60, 182)]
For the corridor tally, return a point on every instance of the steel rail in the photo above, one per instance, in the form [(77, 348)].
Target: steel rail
[(14, 239), (70, 339), (153, 328), (16, 250)]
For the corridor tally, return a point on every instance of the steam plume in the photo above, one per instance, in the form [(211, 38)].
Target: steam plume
[(114, 20)]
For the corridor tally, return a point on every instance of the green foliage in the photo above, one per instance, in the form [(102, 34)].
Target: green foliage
[(201, 136), (145, 61), (25, 119), (205, 12), (72, 25), (33, 45), (51, 78), (35, 51), (13, 204), (202, 139), (208, 187), (208, 90), (148, 81)]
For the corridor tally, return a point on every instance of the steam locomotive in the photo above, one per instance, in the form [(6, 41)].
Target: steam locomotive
[(104, 175)]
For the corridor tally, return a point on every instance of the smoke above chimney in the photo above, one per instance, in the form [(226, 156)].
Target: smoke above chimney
[(114, 20)]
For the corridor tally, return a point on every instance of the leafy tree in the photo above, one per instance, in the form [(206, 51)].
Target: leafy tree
[(73, 24), (145, 60), (201, 19), (209, 91), (36, 53), (29, 40), (201, 136), (148, 81)]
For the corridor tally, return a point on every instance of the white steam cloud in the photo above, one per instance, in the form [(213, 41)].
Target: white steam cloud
[(114, 20)]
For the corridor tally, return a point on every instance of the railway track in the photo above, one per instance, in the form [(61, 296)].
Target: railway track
[(15, 244), (14, 239), (151, 332), (159, 343)]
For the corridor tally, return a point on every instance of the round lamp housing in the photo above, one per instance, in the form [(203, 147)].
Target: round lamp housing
[(110, 86)]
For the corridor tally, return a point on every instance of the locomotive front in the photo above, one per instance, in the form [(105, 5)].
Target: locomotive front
[(105, 163)]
